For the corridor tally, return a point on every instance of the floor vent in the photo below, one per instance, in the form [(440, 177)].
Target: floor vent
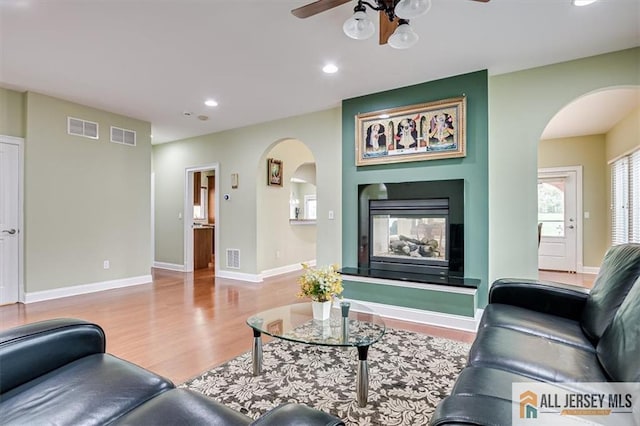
[(123, 136), (84, 128), (233, 258)]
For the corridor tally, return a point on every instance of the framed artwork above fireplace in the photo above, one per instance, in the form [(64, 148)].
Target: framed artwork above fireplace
[(428, 131)]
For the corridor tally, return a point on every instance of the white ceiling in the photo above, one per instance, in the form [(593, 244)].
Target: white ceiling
[(155, 59)]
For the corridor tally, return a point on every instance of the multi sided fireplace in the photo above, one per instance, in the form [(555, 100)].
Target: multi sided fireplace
[(414, 227), (409, 235)]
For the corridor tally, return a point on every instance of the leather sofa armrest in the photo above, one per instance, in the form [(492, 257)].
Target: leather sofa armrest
[(31, 350), (477, 410), (296, 415), (563, 300)]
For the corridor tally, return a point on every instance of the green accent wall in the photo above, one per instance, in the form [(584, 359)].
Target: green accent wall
[(473, 169), (415, 298)]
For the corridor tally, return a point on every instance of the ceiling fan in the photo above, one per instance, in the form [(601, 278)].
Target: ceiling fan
[(394, 18)]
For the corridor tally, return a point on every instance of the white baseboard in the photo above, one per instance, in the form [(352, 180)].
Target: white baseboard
[(285, 269), (591, 270), (169, 266), (457, 322), (76, 290), (240, 276)]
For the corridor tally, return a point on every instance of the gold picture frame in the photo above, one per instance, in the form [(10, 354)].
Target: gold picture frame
[(428, 131), (274, 172)]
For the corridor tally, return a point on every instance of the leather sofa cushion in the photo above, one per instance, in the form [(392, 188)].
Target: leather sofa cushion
[(91, 391), (619, 347), (534, 356), (619, 270), (543, 325), (183, 407)]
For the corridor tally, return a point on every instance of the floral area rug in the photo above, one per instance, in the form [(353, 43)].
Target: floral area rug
[(409, 373)]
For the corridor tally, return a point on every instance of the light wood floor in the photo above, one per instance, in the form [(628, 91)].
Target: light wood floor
[(181, 324), (579, 279)]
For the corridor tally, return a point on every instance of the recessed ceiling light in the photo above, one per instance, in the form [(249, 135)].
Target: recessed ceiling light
[(210, 102), (583, 2), (330, 69)]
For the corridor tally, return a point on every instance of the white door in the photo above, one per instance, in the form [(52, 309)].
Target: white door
[(9, 213), (557, 212)]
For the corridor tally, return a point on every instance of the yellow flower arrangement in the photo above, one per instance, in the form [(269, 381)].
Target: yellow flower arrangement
[(320, 284)]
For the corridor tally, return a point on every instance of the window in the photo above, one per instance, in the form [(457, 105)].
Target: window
[(310, 207), (625, 199), (551, 206)]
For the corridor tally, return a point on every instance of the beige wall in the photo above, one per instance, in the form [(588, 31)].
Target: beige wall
[(621, 140), (624, 137), (244, 151), (86, 200), (12, 119), (588, 152), (280, 243)]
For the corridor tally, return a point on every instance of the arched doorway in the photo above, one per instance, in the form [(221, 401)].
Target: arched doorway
[(284, 241), (574, 181)]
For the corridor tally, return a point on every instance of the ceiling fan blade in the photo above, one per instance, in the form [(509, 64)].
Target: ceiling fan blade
[(387, 27), (316, 7), (482, 1)]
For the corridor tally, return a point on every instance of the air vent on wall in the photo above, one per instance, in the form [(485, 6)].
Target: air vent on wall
[(123, 136), (84, 128), (233, 258)]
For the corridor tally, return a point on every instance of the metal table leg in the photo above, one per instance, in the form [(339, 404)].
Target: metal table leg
[(362, 378), (256, 352)]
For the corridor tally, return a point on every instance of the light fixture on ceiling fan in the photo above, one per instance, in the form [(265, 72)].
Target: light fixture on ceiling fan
[(394, 18), (360, 27)]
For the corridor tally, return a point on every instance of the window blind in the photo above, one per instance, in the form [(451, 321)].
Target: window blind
[(625, 199), (634, 197)]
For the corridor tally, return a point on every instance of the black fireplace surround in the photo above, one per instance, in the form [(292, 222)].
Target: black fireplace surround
[(412, 228)]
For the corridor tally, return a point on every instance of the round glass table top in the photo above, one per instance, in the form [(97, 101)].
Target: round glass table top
[(362, 326)]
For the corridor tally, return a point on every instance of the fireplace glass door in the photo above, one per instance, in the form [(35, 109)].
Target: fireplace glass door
[(411, 238)]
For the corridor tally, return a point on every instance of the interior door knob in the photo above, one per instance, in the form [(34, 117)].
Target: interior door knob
[(9, 231)]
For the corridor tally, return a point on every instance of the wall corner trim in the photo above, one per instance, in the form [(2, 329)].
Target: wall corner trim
[(285, 269), (76, 290), (457, 322), (240, 276), (169, 266)]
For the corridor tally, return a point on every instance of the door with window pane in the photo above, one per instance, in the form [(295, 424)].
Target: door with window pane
[(557, 212)]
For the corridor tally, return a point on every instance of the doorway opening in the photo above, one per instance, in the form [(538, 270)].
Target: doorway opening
[(201, 217), (11, 219)]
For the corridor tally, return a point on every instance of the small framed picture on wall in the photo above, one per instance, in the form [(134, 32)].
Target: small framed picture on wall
[(274, 172)]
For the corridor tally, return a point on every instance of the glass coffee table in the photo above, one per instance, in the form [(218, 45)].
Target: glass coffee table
[(350, 325)]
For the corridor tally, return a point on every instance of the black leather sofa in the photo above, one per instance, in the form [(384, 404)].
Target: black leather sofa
[(552, 333), (57, 373)]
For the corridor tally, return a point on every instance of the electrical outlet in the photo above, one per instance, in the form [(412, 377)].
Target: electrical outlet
[(105, 264), (277, 254)]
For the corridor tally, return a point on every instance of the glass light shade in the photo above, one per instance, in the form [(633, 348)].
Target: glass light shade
[(409, 9), (359, 26), (403, 37), (583, 2)]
